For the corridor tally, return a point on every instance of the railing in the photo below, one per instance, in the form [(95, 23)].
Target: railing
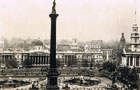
[(86, 88)]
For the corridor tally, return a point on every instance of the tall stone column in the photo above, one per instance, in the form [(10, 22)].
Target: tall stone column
[(53, 73), (134, 58), (64, 60), (4, 61), (129, 61), (42, 60), (35, 60), (47, 60)]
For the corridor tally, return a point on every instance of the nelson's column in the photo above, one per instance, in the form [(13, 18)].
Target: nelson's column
[(53, 73)]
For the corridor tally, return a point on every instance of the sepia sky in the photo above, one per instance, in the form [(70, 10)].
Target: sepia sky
[(82, 19)]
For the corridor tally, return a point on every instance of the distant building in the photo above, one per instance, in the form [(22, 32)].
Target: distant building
[(66, 47), (107, 54), (122, 43), (1, 45)]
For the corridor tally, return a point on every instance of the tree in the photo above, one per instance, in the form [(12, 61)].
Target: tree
[(27, 63), (85, 63), (58, 63), (109, 66), (91, 63), (129, 76), (12, 63), (126, 75)]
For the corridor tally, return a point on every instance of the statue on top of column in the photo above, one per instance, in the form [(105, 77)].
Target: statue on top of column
[(53, 7)]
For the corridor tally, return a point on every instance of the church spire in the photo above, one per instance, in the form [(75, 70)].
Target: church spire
[(135, 18), (135, 34)]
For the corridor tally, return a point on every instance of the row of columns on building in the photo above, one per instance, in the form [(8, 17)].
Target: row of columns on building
[(133, 61), (46, 59), (4, 58), (39, 60), (43, 60), (68, 58), (34, 59)]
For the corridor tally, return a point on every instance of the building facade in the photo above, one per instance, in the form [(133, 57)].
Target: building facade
[(39, 55), (107, 54)]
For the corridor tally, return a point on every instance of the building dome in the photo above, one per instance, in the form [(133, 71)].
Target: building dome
[(37, 43)]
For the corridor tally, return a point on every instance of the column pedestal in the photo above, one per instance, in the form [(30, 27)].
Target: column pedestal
[(52, 79)]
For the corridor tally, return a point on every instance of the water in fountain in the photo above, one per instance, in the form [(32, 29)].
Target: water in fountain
[(82, 81)]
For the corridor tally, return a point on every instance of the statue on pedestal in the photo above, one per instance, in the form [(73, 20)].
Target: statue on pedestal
[(53, 7)]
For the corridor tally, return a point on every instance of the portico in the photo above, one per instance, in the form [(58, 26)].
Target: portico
[(131, 60), (39, 59)]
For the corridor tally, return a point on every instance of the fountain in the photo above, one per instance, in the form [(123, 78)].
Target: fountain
[(12, 83), (83, 81)]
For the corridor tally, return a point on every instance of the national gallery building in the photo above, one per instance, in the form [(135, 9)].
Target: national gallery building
[(39, 55)]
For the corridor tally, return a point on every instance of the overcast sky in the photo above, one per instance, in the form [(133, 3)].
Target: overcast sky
[(82, 19)]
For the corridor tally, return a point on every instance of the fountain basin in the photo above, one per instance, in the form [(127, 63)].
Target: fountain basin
[(12, 83), (82, 81)]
